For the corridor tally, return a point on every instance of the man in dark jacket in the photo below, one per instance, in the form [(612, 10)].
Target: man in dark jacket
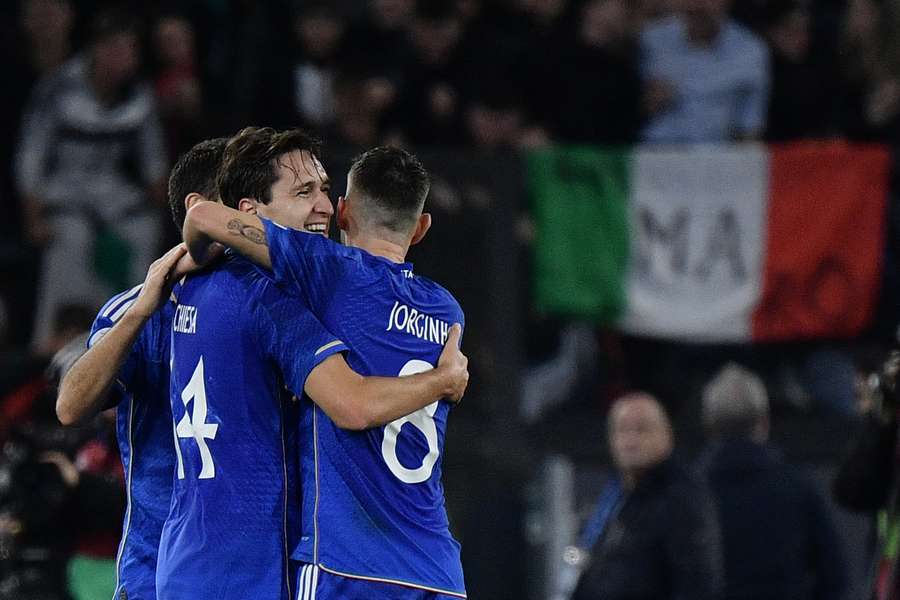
[(659, 539), (778, 537)]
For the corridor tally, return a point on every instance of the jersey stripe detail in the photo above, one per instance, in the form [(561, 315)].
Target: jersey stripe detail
[(121, 310), (327, 346), (315, 582), (284, 475), (316, 506), (127, 497), (117, 301), (96, 336), (405, 584)]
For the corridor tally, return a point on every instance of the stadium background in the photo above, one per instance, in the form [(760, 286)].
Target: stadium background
[(486, 92)]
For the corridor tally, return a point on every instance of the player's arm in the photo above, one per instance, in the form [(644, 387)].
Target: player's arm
[(84, 389), (208, 223), (356, 402)]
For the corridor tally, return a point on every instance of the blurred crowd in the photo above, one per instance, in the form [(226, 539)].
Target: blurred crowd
[(100, 98)]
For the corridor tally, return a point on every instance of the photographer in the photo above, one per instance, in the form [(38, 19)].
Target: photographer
[(867, 480)]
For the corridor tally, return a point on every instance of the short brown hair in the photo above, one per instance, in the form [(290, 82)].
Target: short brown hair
[(394, 184), (250, 164)]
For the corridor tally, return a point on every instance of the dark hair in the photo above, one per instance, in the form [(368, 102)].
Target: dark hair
[(393, 185), (195, 172), (250, 166), (111, 21)]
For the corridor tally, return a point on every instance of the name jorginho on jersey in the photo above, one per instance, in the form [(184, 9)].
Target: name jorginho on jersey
[(423, 326)]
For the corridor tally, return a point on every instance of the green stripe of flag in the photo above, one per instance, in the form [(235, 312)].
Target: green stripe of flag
[(580, 200)]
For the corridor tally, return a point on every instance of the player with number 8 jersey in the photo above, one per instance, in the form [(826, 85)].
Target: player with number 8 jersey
[(373, 502)]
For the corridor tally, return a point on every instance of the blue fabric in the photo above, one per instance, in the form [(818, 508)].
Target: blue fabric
[(607, 505), (144, 432), (373, 502), (718, 90), (237, 341), (312, 583)]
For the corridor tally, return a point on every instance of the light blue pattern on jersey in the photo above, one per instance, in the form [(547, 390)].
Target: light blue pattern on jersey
[(237, 341), (143, 428), (373, 503)]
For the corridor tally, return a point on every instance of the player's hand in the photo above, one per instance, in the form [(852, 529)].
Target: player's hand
[(159, 282), (455, 366), (186, 264)]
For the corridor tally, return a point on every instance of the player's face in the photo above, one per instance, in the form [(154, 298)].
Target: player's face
[(639, 434), (301, 195)]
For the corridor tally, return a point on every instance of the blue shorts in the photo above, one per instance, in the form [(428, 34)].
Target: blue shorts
[(313, 583)]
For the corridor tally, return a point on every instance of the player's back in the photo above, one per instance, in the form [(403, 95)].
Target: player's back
[(225, 534), (144, 433), (373, 502)]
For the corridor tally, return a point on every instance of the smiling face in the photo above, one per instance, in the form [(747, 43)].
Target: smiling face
[(300, 196)]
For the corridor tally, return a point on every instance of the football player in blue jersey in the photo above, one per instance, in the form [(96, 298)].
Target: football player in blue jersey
[(374, 524), (127, 366), (237, 341)]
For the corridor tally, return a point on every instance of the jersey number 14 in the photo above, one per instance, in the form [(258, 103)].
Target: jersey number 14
[(193, 425)]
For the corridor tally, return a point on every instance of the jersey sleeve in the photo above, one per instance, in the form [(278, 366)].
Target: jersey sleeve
[(302, 263), (108, 316), (294, 337)]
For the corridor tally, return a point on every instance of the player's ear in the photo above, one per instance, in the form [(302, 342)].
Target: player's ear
[(192, 199), (422, 227), (342, 222), (247, 205)]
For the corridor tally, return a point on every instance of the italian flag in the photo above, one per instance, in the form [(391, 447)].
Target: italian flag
[(712, 243)]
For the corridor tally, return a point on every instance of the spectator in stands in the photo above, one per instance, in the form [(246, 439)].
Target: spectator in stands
[(597, 89), (177, 83), (802, 102), (778, 537), (429, 110), (320, 32), (868, 481), (378, 48), (706, 78), (40, 43), (495, 119), (659, 538), (92, 154), (871, 70)]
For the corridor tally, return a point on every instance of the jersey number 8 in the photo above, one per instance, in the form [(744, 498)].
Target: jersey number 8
[(423, 420)]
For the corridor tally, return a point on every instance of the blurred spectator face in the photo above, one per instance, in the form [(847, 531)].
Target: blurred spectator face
[(319, 34), (790, 35), (392, 14), (545, 11), (604, 22), (493, 128), (705, 15), (175, 41), (639, 433), (116, 58), (436, 39), (47, 19)]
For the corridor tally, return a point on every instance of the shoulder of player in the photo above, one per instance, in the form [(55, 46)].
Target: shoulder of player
[(112, 311), (439, 295)]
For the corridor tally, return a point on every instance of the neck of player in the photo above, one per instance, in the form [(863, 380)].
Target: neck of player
[(392, 251)]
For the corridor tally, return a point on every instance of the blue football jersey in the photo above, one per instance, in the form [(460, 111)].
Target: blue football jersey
[(237, 342), (373, 502), (144, 432)]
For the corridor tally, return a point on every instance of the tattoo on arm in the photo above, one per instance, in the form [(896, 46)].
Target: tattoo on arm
[(254, 234)]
